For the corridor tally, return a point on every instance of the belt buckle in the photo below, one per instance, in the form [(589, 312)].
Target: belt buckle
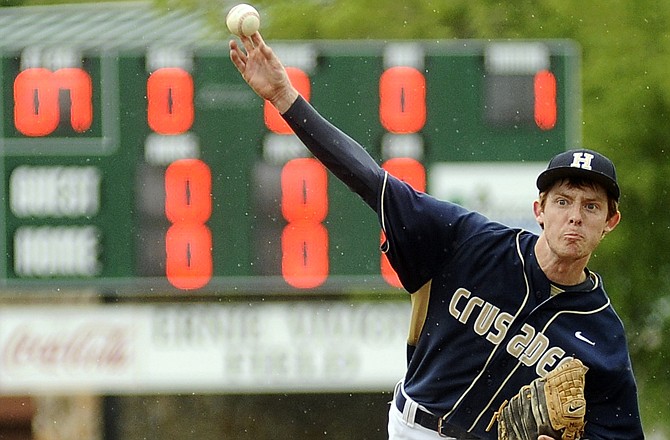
[(440, 424)]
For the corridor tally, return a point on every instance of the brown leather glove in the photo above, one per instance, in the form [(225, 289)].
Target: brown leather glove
[(553, 405)]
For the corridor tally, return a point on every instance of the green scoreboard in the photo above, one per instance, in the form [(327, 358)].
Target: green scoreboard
[(160, 170)]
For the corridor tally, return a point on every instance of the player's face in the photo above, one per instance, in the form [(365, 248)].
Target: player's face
[(575, 219)]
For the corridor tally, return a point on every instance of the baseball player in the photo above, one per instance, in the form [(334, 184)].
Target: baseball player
[(493, 307)]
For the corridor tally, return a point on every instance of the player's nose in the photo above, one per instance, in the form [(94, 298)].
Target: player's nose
[(576, 215)]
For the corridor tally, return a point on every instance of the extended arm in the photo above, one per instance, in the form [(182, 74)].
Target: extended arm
[(343, 156)]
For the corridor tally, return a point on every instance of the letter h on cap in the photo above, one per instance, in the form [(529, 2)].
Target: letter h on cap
[(582, 160)]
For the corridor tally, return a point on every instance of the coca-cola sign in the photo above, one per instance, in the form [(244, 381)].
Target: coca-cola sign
[(178, 348), (85, 348)]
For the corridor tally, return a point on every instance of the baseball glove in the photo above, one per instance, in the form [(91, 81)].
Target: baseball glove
[(553, 405)]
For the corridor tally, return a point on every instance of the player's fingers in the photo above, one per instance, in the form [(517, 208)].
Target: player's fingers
[(257, 39), (232, 44), (237, 62), (248, 43), (237, 56), (262, 47), (267, 52)]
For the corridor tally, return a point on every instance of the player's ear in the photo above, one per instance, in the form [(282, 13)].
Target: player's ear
[(612, 222), (539, 213)]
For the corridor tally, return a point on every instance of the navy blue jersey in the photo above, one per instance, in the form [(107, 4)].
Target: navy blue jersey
[(484, 319)]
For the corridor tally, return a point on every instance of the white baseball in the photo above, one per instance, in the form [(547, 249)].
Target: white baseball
[(243, 19)]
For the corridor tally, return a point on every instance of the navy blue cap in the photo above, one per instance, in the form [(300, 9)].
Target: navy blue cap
[(583, 163)]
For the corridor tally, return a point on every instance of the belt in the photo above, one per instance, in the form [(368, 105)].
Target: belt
[(433, 422)]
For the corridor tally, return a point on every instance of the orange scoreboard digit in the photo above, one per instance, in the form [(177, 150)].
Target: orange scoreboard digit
[(160, 171)]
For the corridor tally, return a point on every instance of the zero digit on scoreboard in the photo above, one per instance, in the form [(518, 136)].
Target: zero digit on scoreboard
[(188, 206)]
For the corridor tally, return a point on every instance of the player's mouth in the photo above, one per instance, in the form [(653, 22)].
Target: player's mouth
[(573, 236)]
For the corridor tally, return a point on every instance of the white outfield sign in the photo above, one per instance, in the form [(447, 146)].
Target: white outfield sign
[(252, 347), (502, 191)]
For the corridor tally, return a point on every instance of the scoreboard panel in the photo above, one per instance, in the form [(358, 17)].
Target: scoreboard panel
[(161, 170)]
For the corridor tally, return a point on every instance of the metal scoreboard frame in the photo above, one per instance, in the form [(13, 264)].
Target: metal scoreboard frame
[(158, 170)]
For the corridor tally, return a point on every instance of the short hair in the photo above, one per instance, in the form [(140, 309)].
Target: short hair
[(580, 182)]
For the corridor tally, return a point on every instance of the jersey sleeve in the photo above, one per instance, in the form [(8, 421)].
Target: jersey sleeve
[(341, 154), (422, 232), (612, 412)]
